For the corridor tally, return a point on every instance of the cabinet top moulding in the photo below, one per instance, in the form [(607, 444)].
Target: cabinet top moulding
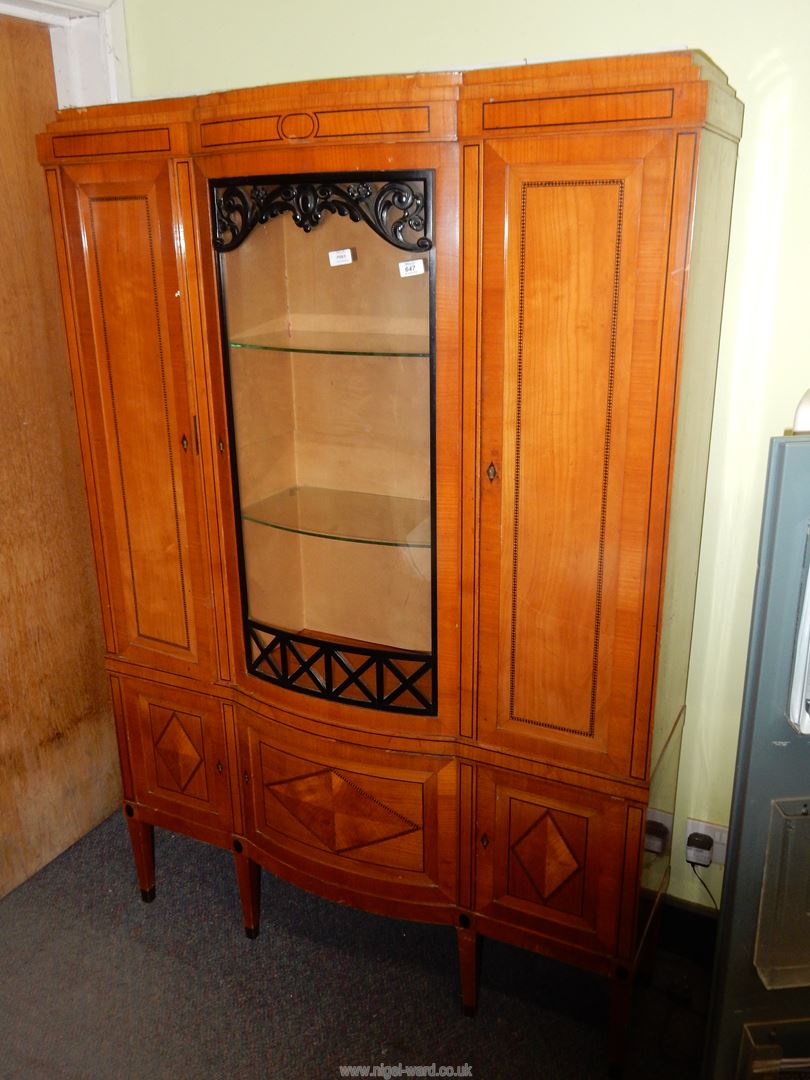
[(675, 89)]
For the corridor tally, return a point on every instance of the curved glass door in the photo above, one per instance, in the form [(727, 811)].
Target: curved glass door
[(326, 296)]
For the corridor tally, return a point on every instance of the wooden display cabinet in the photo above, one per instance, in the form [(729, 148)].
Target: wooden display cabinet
[(378, 382)]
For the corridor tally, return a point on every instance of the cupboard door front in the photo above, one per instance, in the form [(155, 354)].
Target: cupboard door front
[(137, 404), (360, 825), (578, 388), (178, 753), (550, 859)]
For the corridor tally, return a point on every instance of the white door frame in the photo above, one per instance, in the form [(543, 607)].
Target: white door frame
[(89, 45)]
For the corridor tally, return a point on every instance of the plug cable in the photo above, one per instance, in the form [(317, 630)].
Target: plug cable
[(705, 886)]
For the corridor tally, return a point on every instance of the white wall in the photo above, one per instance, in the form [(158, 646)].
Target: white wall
[(187, 46)]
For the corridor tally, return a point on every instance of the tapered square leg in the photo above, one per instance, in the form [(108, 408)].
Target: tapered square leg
[(142, 838), (469, 950), (248, 875)]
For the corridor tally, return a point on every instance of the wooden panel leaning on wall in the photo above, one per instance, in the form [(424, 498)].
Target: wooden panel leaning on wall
[(58, 770), (492, 771)]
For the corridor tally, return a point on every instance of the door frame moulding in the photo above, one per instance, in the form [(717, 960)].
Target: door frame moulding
[(89, 47)]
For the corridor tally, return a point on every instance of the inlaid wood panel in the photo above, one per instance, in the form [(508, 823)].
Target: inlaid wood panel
[(550, 858), (142, 422), (572, 408), (351, 811), (178, 752)]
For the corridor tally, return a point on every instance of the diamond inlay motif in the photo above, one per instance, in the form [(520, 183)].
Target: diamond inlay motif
[(178, 753), (545, 856), (338, 812)]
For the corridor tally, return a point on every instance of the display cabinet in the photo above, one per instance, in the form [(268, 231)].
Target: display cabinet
[(378, 383)]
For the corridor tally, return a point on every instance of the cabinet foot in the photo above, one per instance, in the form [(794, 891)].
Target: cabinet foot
[(469, 948), (248, 876), (142, 838)]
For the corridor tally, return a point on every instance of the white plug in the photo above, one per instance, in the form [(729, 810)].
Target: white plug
[(699, 849)]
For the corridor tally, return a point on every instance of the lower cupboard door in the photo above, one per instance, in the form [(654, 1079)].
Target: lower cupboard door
[(178, 754), (557, 860), (359, 825)]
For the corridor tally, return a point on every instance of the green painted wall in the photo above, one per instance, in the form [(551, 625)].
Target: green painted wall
[(189, 46)]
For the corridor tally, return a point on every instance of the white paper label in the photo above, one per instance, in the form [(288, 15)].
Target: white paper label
[(341, 258), (411, 267)]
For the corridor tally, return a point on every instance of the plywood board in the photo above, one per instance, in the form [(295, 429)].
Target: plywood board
[(58, 762)]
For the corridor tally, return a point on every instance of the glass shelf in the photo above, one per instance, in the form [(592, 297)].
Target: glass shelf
[(353, 516), (337, 344)]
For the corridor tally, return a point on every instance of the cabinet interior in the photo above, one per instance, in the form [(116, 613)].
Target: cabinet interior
[(329, 346)]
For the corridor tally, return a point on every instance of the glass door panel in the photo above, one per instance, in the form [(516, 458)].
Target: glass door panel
[(327, 303)]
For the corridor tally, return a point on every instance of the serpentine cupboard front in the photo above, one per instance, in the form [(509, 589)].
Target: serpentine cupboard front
[(376, 382)]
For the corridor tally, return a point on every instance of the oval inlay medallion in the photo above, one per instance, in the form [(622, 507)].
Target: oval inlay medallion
[(297, 126)]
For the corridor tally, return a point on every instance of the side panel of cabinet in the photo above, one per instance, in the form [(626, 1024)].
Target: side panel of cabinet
[(177, 752), (577, 407), (135, 384), (550, 859), (366, 826)]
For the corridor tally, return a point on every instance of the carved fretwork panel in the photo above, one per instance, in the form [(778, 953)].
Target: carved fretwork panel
[(551, 857)]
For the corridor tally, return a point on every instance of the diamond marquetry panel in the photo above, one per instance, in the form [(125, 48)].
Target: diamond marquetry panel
[(545, 856), (371, 818), (178, 747), (547, 849), (340, 814)]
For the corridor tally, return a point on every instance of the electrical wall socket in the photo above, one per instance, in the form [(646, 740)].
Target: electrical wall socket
[(658, 842), (718, 833)]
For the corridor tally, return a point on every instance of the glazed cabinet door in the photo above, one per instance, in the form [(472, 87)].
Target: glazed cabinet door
[(583, 269), (136, 402), (336, 276)]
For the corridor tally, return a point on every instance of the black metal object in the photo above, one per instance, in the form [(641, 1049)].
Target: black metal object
[(394, 680), (395, 209)]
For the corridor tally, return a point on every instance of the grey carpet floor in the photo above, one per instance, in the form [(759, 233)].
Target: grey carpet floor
[(96, 985)]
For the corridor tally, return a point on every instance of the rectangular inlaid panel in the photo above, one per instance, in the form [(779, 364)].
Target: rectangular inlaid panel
[(384, 121), (147, 140), (578, 109), (245, 130), (136, 382), (347, 812), (562, 369)]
